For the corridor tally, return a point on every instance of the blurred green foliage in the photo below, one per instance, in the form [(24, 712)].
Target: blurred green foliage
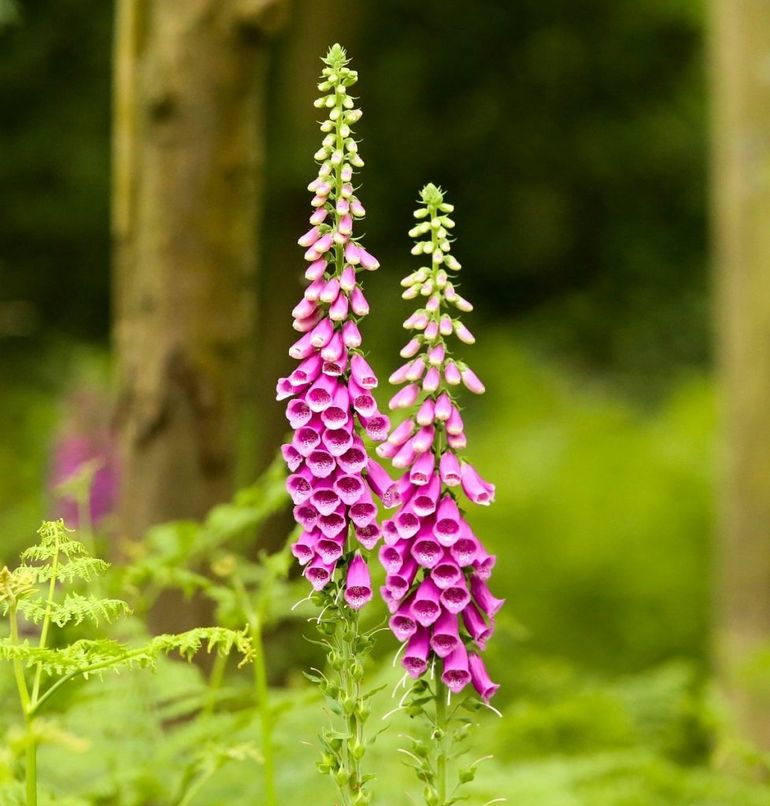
[(569, 737), (603, 516), (571, 138)]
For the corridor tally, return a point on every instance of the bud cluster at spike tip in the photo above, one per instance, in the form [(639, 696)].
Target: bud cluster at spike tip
[(329, 397), (437, 568)]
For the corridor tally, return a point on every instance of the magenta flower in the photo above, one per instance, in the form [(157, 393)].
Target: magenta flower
[(437, 569), (415, 659), (358, 586), (329, 406), (480, 678), (456, 674)]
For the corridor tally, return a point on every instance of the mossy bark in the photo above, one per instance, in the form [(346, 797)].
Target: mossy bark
[(741, 117), (188, 163)]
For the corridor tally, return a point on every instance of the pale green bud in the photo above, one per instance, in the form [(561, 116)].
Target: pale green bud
[(452, 263), (463, 304)]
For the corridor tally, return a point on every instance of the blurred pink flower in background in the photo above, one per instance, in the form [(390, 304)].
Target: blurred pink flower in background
[(84, 466)]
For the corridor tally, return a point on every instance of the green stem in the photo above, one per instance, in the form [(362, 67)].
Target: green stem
[(215, 683), (339, 146), (442, 748), (342, 650), (194, 788), (46, 621), (95, 667), (21, 685), (355, 724), (18, 669), (263, 703), (261, 690), (31, 772), (349, 676)]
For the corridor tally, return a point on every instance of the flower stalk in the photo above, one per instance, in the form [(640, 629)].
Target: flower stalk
[(331, 411), (344, 742), (437, 568)]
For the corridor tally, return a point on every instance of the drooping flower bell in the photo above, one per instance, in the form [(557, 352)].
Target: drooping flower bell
[(437, 568), (330, 407)]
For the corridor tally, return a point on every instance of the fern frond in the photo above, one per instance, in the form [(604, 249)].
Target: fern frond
[(87, 657), (76, 609), (83, 568), (15, 585), (216, 639), (60, 557), (54, 539), (82, 657)]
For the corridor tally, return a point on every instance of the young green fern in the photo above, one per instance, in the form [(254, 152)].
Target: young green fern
[(32, 592), (215, 559)]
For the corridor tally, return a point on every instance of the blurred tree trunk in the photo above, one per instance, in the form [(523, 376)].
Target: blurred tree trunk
[(741, 84), (187, 182)]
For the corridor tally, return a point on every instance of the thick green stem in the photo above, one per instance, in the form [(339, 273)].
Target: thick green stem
[(442, 751), (351, 785), (353, 693)]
